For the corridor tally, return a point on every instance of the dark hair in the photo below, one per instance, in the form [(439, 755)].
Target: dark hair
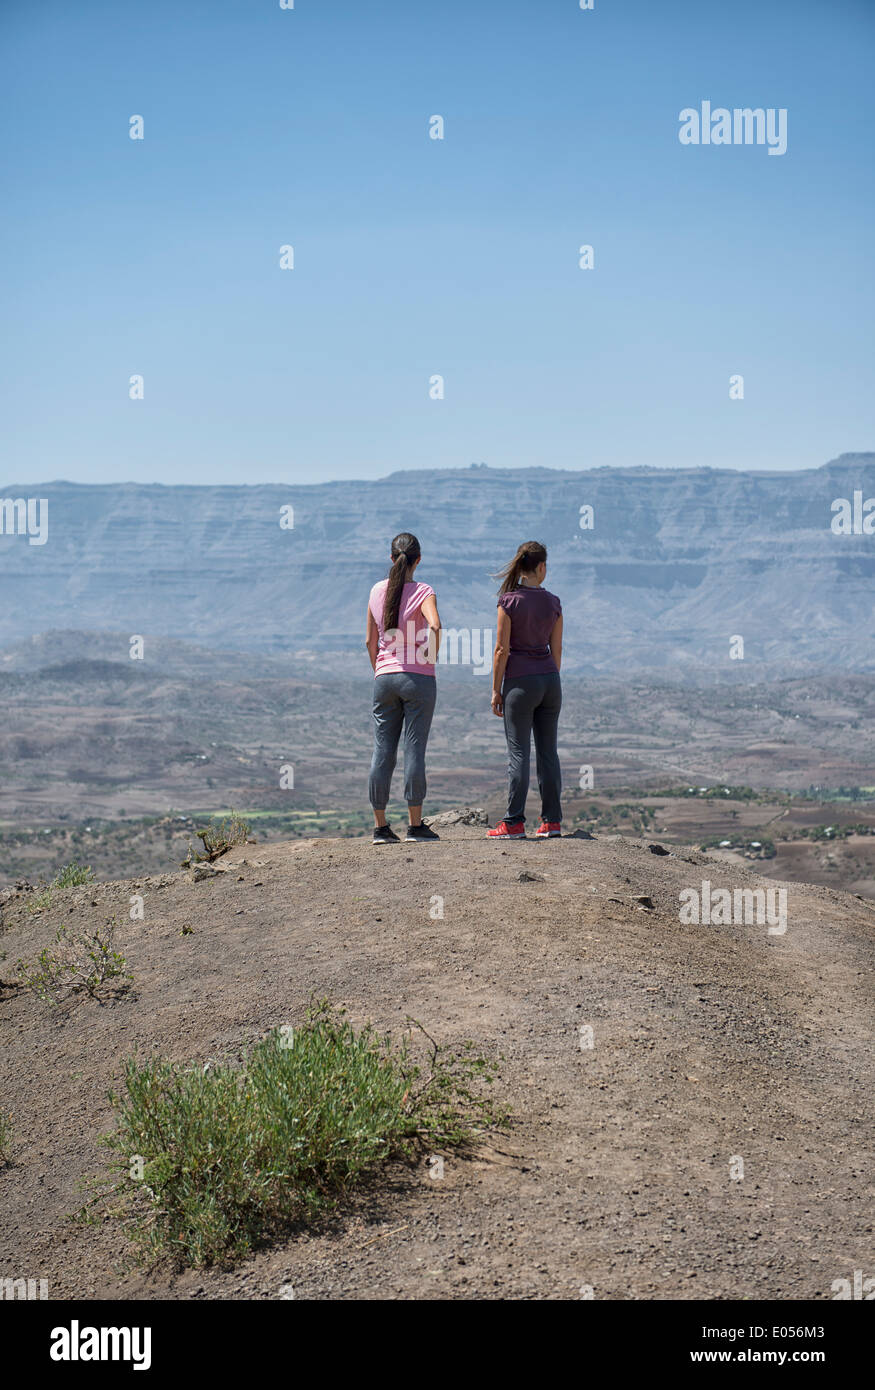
[(530, 555), (405, 550)]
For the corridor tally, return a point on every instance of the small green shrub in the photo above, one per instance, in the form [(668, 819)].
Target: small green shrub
[(71, 876), (78, 962), (217, 838), (231, 1155)]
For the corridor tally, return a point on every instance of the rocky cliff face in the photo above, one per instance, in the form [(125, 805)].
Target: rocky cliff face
[(673, 565)]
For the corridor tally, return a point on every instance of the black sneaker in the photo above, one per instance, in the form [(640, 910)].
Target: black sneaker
[(385, 835), (420, 835)]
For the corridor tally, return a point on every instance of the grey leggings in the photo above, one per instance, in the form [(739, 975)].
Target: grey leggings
[(532, 705), (401, 699)]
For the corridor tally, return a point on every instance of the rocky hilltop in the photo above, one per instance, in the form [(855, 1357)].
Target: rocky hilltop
[(689, 1100), (673, 564)]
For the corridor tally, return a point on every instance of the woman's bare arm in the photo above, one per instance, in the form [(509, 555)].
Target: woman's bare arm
[(556, 642), (499, 659), (432, 617), (372, 638)]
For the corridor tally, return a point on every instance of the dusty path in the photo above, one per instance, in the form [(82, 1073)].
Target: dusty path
[(711, 1043)]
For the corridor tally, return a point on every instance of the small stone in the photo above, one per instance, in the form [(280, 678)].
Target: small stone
[(198, 872)]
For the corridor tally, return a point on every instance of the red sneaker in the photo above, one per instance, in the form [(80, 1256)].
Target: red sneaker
[(507, 832), (548, 829)]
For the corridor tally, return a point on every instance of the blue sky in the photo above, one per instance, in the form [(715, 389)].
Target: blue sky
[(309, 127)]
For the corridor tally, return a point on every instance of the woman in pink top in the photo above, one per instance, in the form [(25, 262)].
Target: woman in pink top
[(403, 637)]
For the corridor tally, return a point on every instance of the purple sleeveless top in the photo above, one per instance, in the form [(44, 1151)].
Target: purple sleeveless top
[(532, 613)]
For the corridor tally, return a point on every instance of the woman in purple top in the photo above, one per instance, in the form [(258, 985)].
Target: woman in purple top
[(527, 689)]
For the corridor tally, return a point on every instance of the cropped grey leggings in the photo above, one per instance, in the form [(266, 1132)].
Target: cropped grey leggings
[(402, 699), (531, 706)]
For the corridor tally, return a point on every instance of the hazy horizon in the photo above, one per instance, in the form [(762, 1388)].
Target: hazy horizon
[(448, 468)]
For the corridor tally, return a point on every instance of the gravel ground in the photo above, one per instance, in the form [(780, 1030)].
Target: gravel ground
[(710, 1045)]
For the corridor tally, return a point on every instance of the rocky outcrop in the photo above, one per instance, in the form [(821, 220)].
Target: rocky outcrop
[(468, 816)]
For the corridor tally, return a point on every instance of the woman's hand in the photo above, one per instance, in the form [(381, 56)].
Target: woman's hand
[(497, 704)]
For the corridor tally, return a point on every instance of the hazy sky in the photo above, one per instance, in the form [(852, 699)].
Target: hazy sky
[(309, 127)]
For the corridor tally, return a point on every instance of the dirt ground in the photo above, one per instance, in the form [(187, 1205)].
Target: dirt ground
[(711, 1045)]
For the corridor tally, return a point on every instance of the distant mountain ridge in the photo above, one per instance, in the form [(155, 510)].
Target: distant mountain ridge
[(675, 564)]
